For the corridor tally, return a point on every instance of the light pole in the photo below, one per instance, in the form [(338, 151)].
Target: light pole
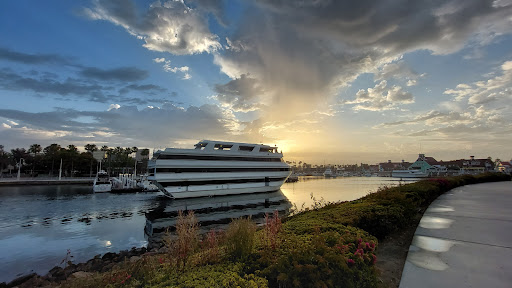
[(19, 168)]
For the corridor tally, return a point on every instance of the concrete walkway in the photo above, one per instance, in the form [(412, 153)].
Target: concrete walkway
[(464, 239)]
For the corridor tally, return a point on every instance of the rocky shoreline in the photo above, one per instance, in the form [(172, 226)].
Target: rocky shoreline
[(98, 263)]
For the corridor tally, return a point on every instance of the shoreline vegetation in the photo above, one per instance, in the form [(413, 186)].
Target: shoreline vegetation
[(360, 243)]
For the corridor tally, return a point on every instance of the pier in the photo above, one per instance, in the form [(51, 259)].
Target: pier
[(49, 181)]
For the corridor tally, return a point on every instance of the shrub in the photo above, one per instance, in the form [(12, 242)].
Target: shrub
[(240, 238), (324, 261), (181, 247)]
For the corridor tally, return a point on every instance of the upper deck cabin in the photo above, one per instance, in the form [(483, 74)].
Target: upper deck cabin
[(207, 145), (218, 148)]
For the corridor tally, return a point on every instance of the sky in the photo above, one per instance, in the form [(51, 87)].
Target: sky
[(326, 81)]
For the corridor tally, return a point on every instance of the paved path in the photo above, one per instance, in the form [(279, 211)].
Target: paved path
[(464, 239)]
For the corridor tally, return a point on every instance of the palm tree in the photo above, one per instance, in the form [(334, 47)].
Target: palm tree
[(34, 148), (72, 152), (90, 148), (52, 151), (4, 156)]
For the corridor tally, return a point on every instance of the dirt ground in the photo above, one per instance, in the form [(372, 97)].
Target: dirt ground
[(391, 255)]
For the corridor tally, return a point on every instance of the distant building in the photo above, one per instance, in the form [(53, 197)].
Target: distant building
[(503, 166), (470, 166), (390, 166)]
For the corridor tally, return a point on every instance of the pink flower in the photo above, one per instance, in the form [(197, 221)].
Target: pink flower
[(374, 259), (350, 262)]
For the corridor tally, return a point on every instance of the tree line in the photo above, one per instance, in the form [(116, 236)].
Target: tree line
[(38, 161)]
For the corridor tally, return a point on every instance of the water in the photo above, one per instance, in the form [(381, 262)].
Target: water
[(38, 224)]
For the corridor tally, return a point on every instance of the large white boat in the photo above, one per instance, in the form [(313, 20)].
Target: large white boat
[(218, 168), (102, 182), (413, 173)]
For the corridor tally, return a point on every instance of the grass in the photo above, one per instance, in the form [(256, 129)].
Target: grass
[(331, 246)]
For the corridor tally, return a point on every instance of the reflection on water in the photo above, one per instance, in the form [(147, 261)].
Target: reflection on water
[(334, 189), (39, 223), (215, 212)]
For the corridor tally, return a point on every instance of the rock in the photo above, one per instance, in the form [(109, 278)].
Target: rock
[(21, 280), (108, 256), (81, 274)]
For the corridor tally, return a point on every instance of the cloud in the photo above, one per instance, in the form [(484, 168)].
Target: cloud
[(470, 125), (76, 88), (148, 88), (14, 56), (169, 68), (241, 94), (47, 84), (303, 53), (116, 74), (397, 70), (497, 88), (122, 125), (169, 27), (381, 97), (113, 106)]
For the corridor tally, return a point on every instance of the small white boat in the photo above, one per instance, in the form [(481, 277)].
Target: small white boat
[(328, 173), (413, 173), (102, 182)]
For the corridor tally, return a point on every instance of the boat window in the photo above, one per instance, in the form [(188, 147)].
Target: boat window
[(221, 158), (222, 147), (246, 148), (201, 145), (266, 149)]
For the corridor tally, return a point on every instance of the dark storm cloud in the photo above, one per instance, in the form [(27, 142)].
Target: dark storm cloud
[(148, 88), (303, 51), (241, 93), (47, 84), (116, 74), (14, 56)]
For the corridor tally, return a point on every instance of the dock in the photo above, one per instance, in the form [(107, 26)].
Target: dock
[(53, 181)]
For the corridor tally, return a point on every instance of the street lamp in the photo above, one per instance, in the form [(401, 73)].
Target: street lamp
[(19, 167)]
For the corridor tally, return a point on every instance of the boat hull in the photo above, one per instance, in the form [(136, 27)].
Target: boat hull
[(101, 188), (181, 192)]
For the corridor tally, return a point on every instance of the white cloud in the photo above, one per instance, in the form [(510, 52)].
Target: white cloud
[(6, 126), (497, 88), (381, 97), (169, 68), (169, 27), (113, 106)]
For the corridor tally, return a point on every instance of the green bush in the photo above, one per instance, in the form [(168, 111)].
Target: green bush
[(328, 259), (240, 238)]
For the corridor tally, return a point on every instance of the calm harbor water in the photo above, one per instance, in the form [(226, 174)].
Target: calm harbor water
[(38, 224)]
